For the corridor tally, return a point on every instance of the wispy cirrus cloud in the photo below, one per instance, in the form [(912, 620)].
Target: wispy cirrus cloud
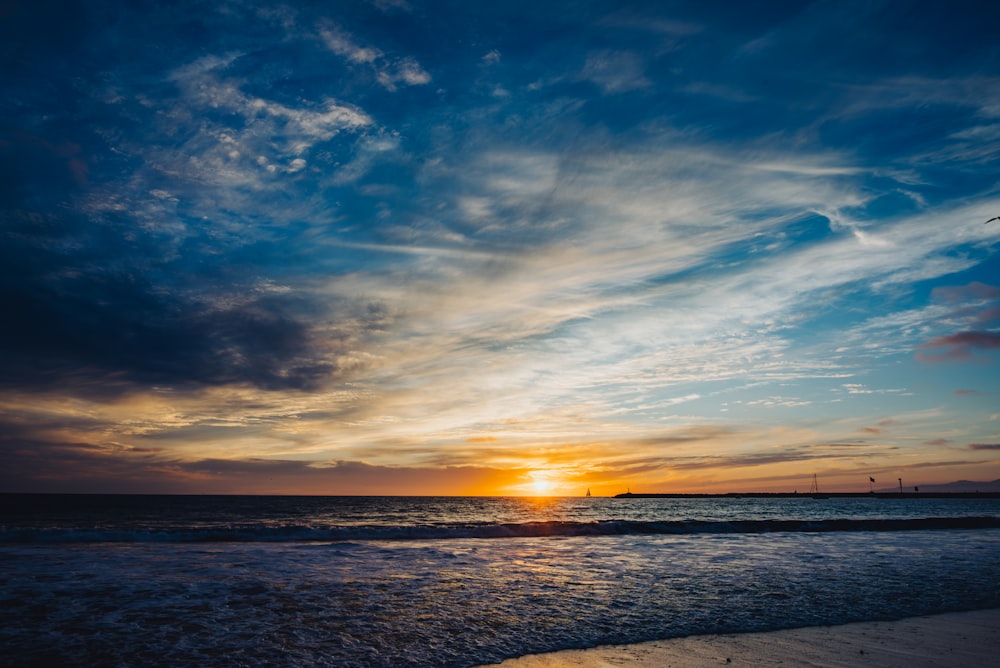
[(597, 307), (981, 93), (615, 71), (389, 71)]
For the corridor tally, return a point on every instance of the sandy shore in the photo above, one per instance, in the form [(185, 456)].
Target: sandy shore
[(950, 640)]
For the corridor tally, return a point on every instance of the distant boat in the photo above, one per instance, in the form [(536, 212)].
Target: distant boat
[(814, 490), (588, 492)]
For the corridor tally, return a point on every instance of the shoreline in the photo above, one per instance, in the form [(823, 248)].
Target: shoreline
[(948, 640)]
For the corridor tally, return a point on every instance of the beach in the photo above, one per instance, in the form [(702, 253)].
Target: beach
[(453, 582), (950, 640)]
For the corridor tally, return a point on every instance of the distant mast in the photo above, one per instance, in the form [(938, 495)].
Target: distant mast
[(814, 489), (588, 492)]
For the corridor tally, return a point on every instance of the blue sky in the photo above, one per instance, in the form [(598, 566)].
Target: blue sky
[(461, 248)]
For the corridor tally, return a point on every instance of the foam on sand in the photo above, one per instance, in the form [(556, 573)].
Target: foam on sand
[(939, 641)]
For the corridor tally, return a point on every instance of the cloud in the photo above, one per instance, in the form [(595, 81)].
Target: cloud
[(763, 458), (959, 346), (405, 70), (341, 44), (646, 23), (979, 92), (615, 71), (98, 301), (972, 305), (587, 316), (960, 294), (81, 468), (984, 446), (392, 5), (976, 304), (106, 331), (389, 71), (369, 152), (266, 124)]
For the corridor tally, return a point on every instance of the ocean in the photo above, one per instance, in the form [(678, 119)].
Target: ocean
[(415, 581)]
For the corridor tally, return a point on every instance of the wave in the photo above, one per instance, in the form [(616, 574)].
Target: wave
[(308, 533)]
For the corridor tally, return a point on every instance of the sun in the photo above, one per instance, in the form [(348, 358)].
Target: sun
[(543, 487), (543, 483)]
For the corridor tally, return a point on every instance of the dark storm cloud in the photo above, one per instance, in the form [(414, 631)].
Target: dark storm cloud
[(78, 313), (70, 323)]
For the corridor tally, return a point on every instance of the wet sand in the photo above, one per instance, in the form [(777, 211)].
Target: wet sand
[(962, 639)]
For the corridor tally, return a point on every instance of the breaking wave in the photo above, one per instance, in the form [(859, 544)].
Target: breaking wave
[(249, 533)]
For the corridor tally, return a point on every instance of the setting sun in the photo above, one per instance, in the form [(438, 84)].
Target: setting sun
[(543, 483), (543, 487)]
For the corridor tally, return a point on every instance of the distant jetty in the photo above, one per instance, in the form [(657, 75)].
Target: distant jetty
[(828, 495)]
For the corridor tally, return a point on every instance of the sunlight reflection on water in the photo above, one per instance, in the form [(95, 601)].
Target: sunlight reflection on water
[(378, 603), (374, 581)]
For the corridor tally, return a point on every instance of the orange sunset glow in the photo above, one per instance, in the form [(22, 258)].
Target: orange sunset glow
[(325, 251)]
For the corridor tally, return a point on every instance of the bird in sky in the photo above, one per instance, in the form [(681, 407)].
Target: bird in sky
[(992, 219)]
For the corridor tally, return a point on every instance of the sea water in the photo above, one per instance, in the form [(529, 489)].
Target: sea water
[(402, 581)]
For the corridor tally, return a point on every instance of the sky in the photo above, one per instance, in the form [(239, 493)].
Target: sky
[(463, 248)]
